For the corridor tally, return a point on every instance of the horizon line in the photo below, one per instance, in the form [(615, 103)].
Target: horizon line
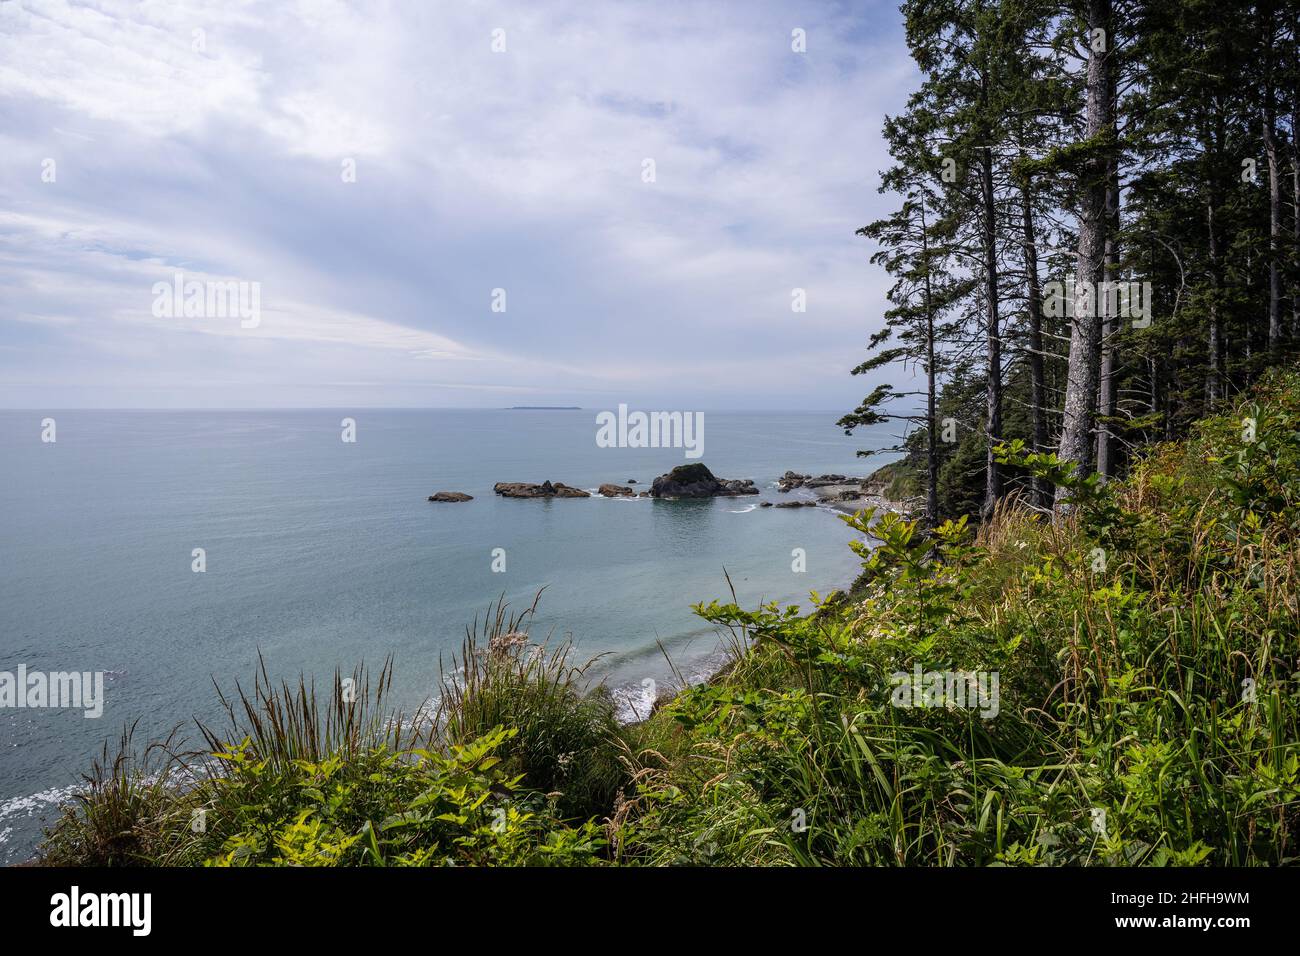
[(380, 408)]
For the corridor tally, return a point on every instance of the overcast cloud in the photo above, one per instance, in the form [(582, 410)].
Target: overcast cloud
[(220, 154)]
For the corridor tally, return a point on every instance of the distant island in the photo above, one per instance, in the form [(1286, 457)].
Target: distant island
[(546, 408)]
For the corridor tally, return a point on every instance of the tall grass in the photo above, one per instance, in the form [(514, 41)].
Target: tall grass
[(284, 722), (569, 743), (126, 812)]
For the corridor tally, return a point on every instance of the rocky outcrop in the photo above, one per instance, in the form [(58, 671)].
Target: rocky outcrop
[(696, 481), (547, 489), (797, 504), (843, 492), (823, 481), (616, 491), (791, 480), (450, 496)]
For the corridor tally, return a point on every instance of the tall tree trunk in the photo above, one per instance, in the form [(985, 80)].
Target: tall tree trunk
[(1034, 305), (1106, 383), (1213, 380), (1274, 189), (1274, 232), (1153, 387), (931, 425), (1085, 324), (1295, 200), (1250, 330), (993, 384)]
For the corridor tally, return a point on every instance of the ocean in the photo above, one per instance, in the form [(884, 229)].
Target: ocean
[(321, 554)]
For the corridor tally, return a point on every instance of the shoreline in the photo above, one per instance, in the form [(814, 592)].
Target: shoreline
[(828, 495), (633, 707)]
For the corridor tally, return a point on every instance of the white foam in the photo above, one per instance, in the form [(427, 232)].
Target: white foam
[(53, 797)]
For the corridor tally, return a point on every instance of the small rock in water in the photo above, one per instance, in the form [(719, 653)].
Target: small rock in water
[(450, 496), (791, 480), (523, 489)]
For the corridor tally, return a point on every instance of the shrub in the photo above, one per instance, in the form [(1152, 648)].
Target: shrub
[(568, 741)]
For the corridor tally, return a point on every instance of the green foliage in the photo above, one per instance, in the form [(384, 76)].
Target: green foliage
[(301, 778), (1149, 705), (387, 808), (898, 482)]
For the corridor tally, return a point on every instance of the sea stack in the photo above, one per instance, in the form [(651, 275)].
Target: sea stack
[(696, 481)]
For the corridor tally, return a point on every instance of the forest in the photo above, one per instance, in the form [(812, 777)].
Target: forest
[(1096, 234)]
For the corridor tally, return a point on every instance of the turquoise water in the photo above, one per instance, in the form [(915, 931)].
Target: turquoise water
[(322, 554)]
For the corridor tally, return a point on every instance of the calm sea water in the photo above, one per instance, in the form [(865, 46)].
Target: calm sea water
[(323, 554)]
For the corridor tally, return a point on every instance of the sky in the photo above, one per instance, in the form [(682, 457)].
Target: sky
[(451, 204)]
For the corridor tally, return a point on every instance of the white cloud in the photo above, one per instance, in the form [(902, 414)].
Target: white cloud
[(475, 170)]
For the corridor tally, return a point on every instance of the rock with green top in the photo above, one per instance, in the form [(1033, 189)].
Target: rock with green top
[(696, 481)]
